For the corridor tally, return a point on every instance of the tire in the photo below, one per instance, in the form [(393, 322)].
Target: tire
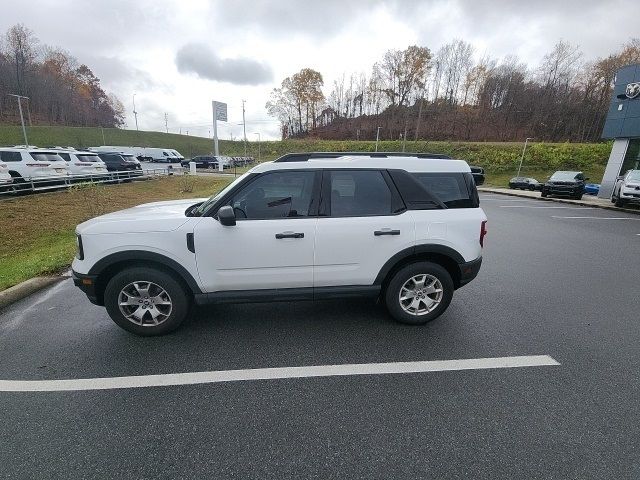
[(614, 199), (544, 194), (619, 202), (169, 316), (405, 277), (578, 196)]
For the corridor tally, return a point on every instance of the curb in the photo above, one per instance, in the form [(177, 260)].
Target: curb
[(26, 288), (500, 191)]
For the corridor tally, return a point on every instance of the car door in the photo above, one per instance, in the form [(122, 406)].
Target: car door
[(271, 244), (362, 224)]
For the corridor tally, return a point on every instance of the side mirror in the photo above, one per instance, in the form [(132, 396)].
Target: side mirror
[(227, 216), (586, 178)]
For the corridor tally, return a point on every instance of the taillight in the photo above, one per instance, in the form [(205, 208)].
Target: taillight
[(483, 232)]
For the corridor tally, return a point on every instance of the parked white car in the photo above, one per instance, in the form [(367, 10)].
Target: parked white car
[(26, 163), (83, 162), (401, 229), (627, 189), (5, 177)]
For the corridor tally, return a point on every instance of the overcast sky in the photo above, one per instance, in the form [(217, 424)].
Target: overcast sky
[(177, 56)]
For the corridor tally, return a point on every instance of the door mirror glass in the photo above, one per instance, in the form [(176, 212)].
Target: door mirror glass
[(226, 216)]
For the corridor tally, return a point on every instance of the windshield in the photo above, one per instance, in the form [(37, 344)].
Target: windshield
[(207, 203), (564, 176), (88, 158), (634, 175), (46, 157)]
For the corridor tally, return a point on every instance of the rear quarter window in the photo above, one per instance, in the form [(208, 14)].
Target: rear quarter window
[(451, 188), (10, 156)]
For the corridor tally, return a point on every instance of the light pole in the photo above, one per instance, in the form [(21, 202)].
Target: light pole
[(258, 145), (377, 137), (24, 130), (522, 156), (135, 114), (244, 129)]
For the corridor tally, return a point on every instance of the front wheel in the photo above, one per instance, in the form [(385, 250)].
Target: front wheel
[(418, 293), (619, 202), (146, 301), (543, 194)]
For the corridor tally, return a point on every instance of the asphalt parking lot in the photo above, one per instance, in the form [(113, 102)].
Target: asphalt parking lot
[(557, 280)]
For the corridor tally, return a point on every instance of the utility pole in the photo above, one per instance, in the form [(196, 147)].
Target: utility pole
[(166, 119), (24, 130), (135, 114), (244, 129), (522, 157), (103, 142), (377, 137), (258, 145)]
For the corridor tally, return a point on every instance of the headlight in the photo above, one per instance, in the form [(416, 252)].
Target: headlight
[(79, 248)]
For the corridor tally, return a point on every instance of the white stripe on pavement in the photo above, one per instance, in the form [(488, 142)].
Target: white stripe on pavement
[(193, 378), (600, 218), (531, 206)]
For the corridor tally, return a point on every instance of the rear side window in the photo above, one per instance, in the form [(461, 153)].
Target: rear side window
[(10, 156), (110, 158), (359, 193), (451, 188), (65, 156)]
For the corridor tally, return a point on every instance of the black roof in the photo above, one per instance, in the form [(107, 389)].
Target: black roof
[(303, 157)]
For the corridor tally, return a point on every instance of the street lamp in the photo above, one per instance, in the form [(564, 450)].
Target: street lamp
[(24, 130), (377, 137), (135, 114), (258, 134), (522, 156)]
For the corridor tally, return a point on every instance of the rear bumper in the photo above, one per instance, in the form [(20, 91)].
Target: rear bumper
[(86, 283), (469, 270)]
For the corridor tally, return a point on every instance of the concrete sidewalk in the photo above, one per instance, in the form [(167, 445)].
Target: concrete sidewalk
[(587, 200)]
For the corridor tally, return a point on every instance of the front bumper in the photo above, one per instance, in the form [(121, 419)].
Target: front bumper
[(630, 194), (86, 283), (469, 270)]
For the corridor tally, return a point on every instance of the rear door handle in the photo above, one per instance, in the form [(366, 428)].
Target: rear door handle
[(386, 231), (289, 235)]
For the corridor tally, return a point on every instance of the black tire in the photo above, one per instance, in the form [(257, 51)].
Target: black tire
[(578, 196), (613, 199), (543, 194), (619, 202), (180, 300), (392, 292)]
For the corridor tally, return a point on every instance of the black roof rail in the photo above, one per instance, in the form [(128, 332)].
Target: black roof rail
[(303, 157)]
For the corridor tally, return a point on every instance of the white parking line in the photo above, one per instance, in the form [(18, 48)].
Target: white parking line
[(558, 207), (193, 378), (600, 218)]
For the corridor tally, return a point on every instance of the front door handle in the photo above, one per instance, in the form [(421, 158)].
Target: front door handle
[(386, 231), (289, 235)]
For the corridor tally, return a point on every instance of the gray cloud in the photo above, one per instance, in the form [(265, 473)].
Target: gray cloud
[(200, 59)]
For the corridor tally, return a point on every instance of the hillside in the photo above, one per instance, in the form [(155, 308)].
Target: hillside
[(500, 160)]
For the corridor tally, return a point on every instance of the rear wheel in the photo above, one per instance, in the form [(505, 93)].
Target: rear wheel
[(543, 194), (146, 301), (619, 202), (418, 293)]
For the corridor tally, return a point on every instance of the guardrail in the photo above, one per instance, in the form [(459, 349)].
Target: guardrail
[(44, 184)]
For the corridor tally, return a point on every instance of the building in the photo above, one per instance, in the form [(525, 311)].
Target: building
[(623, 126)]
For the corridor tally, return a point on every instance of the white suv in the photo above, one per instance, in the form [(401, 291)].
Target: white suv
[(5, 177), (82, 163), (26, 163), (627, 189), (407, 230)]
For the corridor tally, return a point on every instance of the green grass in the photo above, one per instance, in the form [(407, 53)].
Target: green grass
[(500, 160), (37, 231)]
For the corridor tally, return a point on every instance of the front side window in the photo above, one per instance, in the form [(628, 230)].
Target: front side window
[(282, 194), (359, 193), (448, 187)]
